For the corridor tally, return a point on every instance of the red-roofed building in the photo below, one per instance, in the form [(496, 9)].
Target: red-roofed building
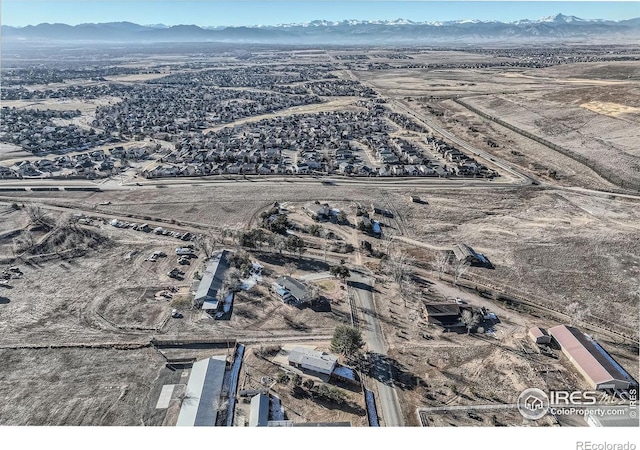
[(591, 360)]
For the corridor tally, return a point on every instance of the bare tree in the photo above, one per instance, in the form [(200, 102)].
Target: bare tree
[(387, 239), (314, 292), (442, 262), (460, 267), (400, 266), (289, 268), (206, 242), (577, 312), (38, 217), (470, 319), (408, 290)]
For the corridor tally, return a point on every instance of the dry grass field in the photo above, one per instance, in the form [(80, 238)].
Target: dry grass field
[(80, 386), (529, 156), (605, 140), (558, 247)]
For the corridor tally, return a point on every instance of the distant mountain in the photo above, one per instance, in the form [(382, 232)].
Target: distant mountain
[(399, 31)]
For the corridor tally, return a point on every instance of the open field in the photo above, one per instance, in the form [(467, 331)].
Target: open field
[(83, 105), (10, 151), (531, 157), (556, 246), (605, 141), (80, 386)]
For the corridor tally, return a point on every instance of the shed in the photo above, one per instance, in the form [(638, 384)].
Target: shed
[(446, 315), (345, 374), (539, 335), (259, 415), (465, 253)]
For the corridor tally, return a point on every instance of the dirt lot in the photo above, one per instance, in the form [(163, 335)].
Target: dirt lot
[(80, 386)]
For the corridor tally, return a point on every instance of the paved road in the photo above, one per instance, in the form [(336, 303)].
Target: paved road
[(388, 403)]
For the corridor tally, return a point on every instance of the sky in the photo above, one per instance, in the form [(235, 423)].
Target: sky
[(265, 12)]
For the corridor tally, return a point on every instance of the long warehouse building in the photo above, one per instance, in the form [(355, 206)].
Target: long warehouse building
[(202, 398), (591, 360)]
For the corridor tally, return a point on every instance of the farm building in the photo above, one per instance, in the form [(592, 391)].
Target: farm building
[(306, 359), (591, 360), (200, 407), (259, 415), (345, 374), (290, 290), (446, 315), (318, 211), (206, 296), (539, 335), (465, 253)]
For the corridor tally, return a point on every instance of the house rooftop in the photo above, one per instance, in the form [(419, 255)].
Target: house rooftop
[(295, 287), (321, 360), (212, 278)]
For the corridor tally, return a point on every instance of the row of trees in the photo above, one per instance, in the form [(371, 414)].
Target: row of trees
[(258, 238)]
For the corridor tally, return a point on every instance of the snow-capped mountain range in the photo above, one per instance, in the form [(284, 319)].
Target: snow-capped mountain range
[(398, 31)]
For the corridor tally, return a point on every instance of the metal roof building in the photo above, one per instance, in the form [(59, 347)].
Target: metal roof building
[(308, 359), (201, 402), (297, 289), (600, 417), (465, 253), (443, 314), (539, 335), (259, 416), (591, 360), (211, 282)]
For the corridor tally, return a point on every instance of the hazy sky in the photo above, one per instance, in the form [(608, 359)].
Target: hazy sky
[(213, 13)]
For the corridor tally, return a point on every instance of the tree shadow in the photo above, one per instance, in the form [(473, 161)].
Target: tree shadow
[(296, 325), (347, 407), (301, 263), (361, 285), (391, 372), (4, 301)]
